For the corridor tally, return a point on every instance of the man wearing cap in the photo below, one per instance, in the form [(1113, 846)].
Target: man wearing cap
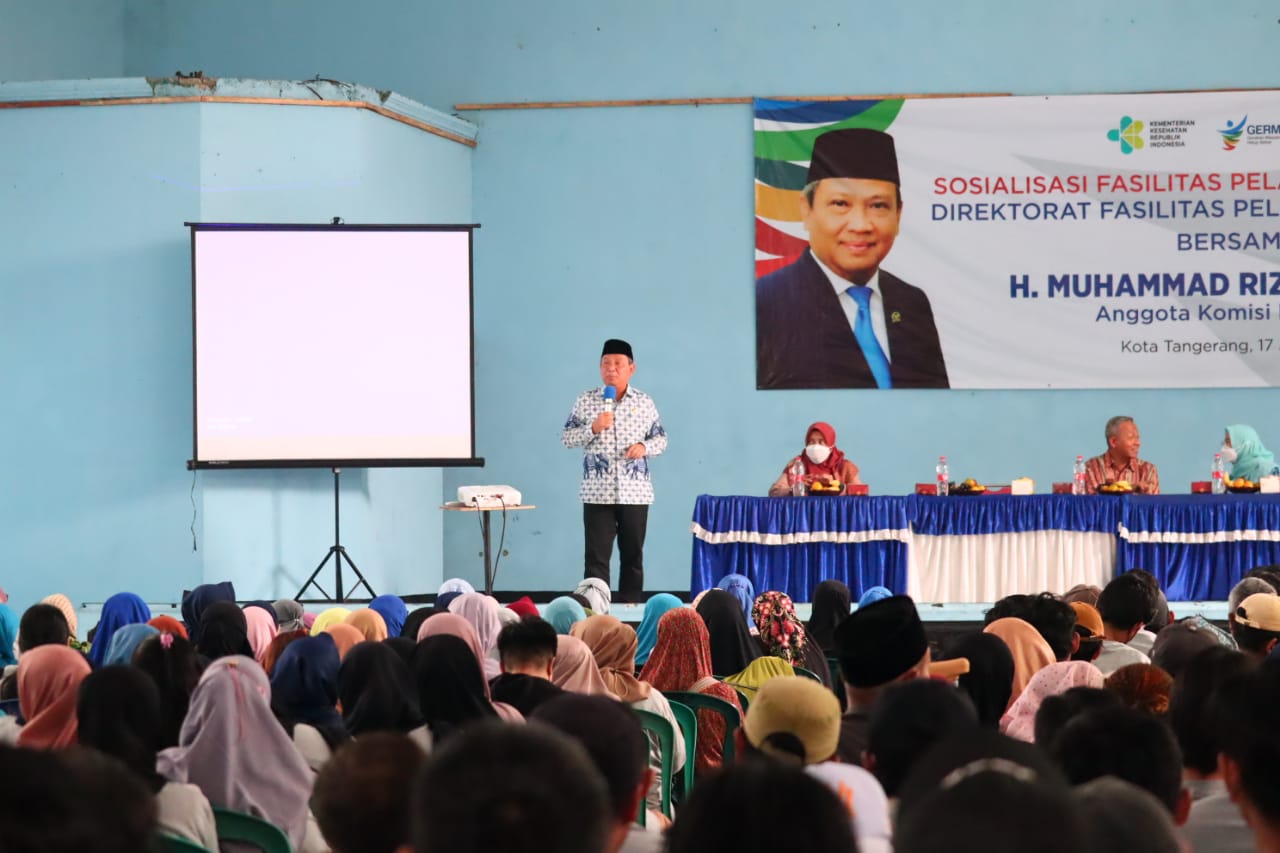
[(1256, 625), (878, 646), (834, 318), (618, 436)]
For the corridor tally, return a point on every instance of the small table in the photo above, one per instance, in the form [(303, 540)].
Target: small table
[(484, 532)]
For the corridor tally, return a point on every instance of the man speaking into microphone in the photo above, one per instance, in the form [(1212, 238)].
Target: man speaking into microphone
[(619, 429)]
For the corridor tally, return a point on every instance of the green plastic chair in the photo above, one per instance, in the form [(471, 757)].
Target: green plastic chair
[(701, 701), (807, 673), (688, 720), (250, 829), (743, 699), (660, 727), (174, 844)]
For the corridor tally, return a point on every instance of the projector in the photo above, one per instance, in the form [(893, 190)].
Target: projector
[(488, 496)]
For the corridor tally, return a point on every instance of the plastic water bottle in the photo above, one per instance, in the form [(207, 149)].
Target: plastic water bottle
[(944, 477), (1078, 477), (797, 479), (1219, 483)]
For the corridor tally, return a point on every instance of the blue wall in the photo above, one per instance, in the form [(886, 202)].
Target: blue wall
[(95, 324), (61, 39), (638, 223)]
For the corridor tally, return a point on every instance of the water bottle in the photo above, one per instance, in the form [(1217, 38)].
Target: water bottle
[(797, 478), (1219, 483), (1078, 477), (944, 477)]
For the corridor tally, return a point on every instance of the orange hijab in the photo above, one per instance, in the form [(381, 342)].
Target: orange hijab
[(369, 623), (48, 683), (344, 637), (1031, 653), (614, 646)]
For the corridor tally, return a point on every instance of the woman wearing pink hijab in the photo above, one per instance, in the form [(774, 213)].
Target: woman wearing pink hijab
[(575, 668), (482, 612), (1056, 678), (261, 628), (48, 683)]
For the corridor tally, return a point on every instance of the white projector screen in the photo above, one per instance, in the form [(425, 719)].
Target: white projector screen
[(329, 346)]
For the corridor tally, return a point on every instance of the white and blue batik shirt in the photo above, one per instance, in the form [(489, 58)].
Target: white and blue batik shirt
[(608, 476)]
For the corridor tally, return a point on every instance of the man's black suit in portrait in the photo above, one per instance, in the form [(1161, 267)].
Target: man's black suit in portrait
[(833, 318)]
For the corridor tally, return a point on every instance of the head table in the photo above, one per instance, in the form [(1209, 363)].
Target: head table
[(980, 548)]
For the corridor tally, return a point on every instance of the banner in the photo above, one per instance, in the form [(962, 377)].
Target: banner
[(1103, 241)]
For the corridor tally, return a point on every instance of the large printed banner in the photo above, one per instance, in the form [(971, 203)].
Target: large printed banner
[(1109, 241)]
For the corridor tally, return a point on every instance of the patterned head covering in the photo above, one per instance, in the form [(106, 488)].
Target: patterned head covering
[(1056, 678), (125, 641), (562, 612), (781, 632), (597, 592), (393, 611), (228, 730), (575, 668), (369, 623), (614, 646), (260, 627), (1030, 651), (647, 633), (123, 608), (48, 680), (64, 604), (682, 655)]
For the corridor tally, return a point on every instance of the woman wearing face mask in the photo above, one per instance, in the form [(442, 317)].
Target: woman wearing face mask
[(1246, 455), (821, 460)]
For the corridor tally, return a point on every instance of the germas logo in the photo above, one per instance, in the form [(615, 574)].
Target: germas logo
[(1231, 134), (1128, 134)]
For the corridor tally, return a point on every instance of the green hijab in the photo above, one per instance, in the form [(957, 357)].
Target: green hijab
[(1253, 460)]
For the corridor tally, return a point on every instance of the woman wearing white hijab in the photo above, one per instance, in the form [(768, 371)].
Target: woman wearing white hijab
[(596, 592)]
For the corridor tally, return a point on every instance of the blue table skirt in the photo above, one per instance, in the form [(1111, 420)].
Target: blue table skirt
[(1198, 546)]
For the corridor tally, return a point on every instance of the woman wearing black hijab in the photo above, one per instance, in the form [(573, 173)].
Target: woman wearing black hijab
[(223, 631), (732, 646), (830, 607), (375, 689), (450, 685), (989, 681)]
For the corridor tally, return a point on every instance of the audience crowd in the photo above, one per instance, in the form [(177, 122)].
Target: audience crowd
[(1092, 719)]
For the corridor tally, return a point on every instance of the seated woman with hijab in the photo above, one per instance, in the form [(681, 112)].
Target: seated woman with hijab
[(821, 460), (1244, 451)]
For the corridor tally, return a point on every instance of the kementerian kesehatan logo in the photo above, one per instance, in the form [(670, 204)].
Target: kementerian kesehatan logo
[(1231, 134), (1128, 134)]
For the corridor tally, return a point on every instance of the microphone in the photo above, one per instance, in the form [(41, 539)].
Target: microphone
[(610, 395)]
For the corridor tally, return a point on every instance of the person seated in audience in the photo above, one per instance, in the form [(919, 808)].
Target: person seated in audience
[(615, 742), (597, 593), (304, 693), (1120, 462), (195, 602), (1255, 624), (758, 673), (575, 670), (1130, 745), (820, 461), (454, 625), (1057, 711), (175, 668), (232, 747), (527, 651), (981, 792), (1243, 718), (1179, 642), (1249, 585), (72, 801), (647, 632), (1083, 592), (1027, 646), (741, 588), (68, 610), (797, 721), (782, 635), (909, 719), (1089, 629), (393, 611), (1243, 450), (1019, 722), (1269, 573), (118, 709), (123, 608), (260, 624), (878, 645), (224, 632), (277, 646), (762, 806), (499, 788), (377, 694), (732, 646), (1145, 639), (562, 612), (613, 644), (1120, 817), (1142, 686), (452, 692), (48, 678), (1125, 605), (681, 661), (1052, 617), (831, 605), (125, 641), (482, 612), (989, 681), (41, 625), (361, 797), (1215, 823)]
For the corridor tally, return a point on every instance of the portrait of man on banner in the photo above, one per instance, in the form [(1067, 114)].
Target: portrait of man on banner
[(833, 317)]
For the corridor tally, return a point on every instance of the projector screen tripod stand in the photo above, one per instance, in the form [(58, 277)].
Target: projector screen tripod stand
[(337, 553)]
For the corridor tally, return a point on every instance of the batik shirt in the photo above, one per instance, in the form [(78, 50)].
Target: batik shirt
[(608, 476)]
